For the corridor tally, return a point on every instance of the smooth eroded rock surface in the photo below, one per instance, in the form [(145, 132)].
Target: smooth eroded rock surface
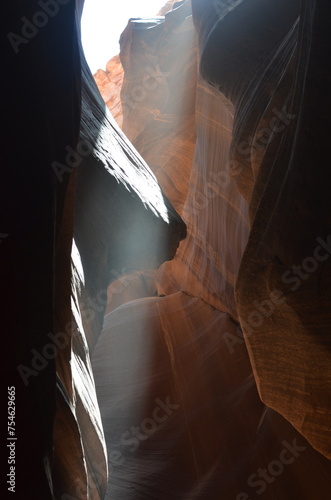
[(250, 217), (79, 206)]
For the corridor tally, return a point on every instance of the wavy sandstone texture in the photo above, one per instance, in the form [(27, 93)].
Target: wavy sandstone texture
[(80, 206), (288, 247), (213, 373), (122, 221)]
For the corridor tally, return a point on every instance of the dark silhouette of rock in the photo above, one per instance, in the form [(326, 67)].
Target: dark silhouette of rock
[(68, 172), (280, 125)]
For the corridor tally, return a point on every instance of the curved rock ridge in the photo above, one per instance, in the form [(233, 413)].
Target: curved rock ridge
[(206, 264), (263, 74), (122, 221), (228, 285), (175, 404), (280, 126), (79, 207), (194, 172), (157, 118)]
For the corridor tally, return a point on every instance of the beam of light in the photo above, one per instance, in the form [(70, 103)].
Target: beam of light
[(103, 22), (128, 354)]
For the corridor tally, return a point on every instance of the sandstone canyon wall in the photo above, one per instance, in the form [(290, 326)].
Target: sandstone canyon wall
[(215, 102), (209, 376), (79, 205)]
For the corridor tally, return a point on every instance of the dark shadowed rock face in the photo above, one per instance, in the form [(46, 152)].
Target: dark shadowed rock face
[(122, 221), (118, 195), (42, 112), (69, 172), (277, 83)]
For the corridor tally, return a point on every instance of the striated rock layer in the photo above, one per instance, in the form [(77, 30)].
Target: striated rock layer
[(158, 118), (79, 207), (181, 399), (182, 416), (122, 221), (281, 121)]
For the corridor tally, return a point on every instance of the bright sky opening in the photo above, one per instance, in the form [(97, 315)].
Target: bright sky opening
[(103, 22)]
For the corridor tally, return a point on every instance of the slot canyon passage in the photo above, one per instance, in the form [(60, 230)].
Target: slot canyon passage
[(165, 254)]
